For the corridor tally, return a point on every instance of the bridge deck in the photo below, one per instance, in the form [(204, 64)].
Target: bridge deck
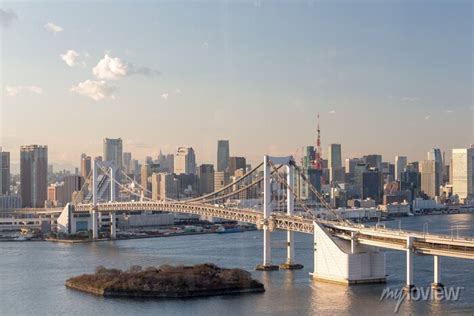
[(429, 244)]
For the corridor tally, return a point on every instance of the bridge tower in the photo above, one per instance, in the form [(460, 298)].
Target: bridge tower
[(267, 212), (111, 168)]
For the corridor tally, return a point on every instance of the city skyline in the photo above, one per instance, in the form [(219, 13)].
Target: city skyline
[(222, 79)]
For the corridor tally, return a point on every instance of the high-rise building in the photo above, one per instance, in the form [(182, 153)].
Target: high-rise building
[(435, 155), (223, 154), (410, 180), (206, 178), (221, 179), (127, 162), (72, 183), (170, 163), (430, 180), (236, 163), (33, 175), (463, 172), (155, 186), (185, 161), (147, 170), (113, 151), (168, 186), (4, 172), (400, 165), (372, 185), (374, 161), (349, 165), (86, 165), (336, 172)]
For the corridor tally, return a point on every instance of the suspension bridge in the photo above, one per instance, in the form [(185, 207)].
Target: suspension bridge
[(344, 252)]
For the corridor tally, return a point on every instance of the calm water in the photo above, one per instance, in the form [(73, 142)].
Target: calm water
[(33, 275)]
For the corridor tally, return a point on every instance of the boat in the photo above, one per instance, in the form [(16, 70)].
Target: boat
[(224, 230)]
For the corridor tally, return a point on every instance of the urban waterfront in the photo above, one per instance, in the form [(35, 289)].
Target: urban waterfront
[(33, 275)]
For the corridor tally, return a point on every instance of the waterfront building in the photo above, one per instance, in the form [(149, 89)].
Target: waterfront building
[(463, 172), (223, 154), (185, 161), (113, 151), (400, 165), (33, 175), (430, 177), (72, 183), (372, 185)]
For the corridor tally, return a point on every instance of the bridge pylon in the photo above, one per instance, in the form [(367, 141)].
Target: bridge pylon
[(267, 213)]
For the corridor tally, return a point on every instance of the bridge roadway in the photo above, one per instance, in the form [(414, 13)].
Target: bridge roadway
[(423, 243)]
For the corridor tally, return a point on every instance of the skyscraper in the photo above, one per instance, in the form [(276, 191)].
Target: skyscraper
[(4, 172), (33, 175), (185, 161), (221, 179), (236, 163), (222, 155), (85, 165), (463, 172), (374, 161), (127, 162), (336, 173), (206, 178), (435, 155), (430, 180), (400, 164), (113, 151)]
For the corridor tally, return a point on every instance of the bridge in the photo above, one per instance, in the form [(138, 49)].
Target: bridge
[(344, 252)]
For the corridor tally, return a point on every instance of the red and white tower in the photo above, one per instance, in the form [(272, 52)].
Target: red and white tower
[(318, 165)]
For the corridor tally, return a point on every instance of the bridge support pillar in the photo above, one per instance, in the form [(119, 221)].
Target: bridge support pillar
[(409, 282), (113, 223), (290, 206), (95, 224), (267, 211), (436, 285)]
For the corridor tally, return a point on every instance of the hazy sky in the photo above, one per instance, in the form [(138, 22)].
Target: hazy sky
[(389, 77)]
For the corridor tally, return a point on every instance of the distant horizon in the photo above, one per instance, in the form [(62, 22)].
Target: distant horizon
[(393, 78)]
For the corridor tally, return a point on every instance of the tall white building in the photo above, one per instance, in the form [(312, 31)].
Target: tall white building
[(185, 161), (463, 172), (400, 165)]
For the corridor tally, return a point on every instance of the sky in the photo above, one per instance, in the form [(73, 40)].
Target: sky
[(387, 77)]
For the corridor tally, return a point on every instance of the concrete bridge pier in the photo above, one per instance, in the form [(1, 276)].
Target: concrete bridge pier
[(95, 224), (113, 225), (409, 282), (436, 285)]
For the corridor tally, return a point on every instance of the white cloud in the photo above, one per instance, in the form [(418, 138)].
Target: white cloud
[(53, 28), (96, 90), (71, 58), (332, 112), (7, 17), (114, 68), (448, 111), (177, 91), (13, 91), (427, 117), (410, 99), (165, 96)]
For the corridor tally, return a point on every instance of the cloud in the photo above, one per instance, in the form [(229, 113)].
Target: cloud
[(96, 90), (113, 68), (427, 117), (53, 28), (332, 112), (177, 91), (71, 58), (448, 111), (410, 99), (7, 17), (13, 91), (165, 96)]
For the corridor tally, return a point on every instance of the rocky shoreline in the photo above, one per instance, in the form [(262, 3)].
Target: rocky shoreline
[(166, 282)]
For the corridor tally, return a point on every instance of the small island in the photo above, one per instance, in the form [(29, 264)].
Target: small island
[(166, 282)]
